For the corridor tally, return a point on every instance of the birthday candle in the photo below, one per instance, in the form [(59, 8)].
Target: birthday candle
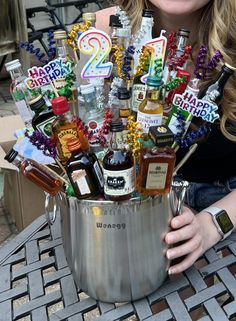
[(96, 43)]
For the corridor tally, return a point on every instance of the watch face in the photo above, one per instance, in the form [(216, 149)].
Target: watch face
[(224, 221)]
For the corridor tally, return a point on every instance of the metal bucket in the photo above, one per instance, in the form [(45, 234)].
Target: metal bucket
[(116, 250)]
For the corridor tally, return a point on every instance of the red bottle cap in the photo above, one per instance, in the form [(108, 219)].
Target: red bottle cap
[(60, 105)]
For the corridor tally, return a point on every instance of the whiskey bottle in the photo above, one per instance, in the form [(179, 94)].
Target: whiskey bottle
[(35, 172), (150, 112), (124, 96), (80, 170), (118, 167), (156, 165), (64, 129), (43, 116)]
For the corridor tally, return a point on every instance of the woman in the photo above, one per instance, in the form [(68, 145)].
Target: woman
[(212, 168)]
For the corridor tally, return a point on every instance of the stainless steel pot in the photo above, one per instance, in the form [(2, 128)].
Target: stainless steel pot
[(116, 251)]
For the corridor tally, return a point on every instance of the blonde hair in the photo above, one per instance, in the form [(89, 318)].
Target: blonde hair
[(217, 30)]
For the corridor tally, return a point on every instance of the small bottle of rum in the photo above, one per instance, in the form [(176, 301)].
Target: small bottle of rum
[(35, 172), (156, 164), (80, 170), (64, 129), (118, 167)]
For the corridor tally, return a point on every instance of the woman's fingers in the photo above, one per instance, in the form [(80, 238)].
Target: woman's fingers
[(185, 218), (181, 234), (186, 263), (185, 248)]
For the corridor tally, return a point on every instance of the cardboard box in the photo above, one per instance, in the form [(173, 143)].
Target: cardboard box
[(22, 199)]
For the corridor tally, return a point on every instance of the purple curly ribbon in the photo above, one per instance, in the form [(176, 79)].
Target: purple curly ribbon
[(214, 61), (51, 45), (126, 67), (43, 143), (200, 70)]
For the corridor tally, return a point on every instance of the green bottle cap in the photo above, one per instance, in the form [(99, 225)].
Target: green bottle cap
[(154, 81)]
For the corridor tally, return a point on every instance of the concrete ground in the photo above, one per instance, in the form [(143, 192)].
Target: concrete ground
[(7, 107)]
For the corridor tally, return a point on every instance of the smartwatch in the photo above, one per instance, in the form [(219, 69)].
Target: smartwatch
[(221, 220)]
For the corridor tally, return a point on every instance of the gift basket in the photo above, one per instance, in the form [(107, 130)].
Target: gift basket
[(105, 116)]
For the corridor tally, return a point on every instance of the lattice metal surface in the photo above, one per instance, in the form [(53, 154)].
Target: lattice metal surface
[(36, 284)]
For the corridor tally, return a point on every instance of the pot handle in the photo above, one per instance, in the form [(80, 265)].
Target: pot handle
[(177, 196), (50, 218)]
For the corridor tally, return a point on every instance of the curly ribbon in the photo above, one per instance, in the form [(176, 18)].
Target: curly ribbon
[(174, 83), (51, 45), (29, 47), (144, 61), (134, 135), (127, 62), (200, 69), (42, 143), (118, 54), (174, 63), (214, 61), (158, 68), (171, 40), (104, 130), (75, 32)]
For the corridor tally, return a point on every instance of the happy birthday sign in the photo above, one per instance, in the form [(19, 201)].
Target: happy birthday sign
[(54, 70), (196, 107)]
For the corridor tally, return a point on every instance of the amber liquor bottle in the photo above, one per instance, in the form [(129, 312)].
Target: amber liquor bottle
[(118, 167), (156, 164), (35, 172), (80, 170), (64, 129)]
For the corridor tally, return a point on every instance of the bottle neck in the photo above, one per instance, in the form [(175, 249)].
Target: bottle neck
[(90, 101), (147, 21), (125, 103), (17, 160), (181, 43), (222, 78), (17, 74), (116, 141), (153, 93), (62, 48)]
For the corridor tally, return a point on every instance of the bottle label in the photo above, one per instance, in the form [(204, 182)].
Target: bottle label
[(24, 111), (99, 173), (79, 178), (138, 95), (118, 183), (147, 120), (124, 114), (94, 126), (45, 127), (64, 136), (156, 175)]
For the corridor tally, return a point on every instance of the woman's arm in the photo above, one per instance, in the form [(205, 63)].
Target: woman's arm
[(198, 231), (103, 18)]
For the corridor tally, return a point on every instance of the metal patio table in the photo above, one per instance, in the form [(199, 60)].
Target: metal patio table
[(36, 284)]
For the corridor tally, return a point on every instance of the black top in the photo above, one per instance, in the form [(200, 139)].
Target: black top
[(214, 159)]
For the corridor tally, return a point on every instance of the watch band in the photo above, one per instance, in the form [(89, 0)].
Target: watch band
[(215, 211)]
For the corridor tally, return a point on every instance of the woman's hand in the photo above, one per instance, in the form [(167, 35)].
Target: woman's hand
[(194, 231)]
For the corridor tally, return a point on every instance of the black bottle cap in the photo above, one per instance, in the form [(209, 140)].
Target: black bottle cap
[(183, 32), (37, 103), (148, 13), (115, 21), (123, 93), (11, 155), (229, 69), (116, 126)]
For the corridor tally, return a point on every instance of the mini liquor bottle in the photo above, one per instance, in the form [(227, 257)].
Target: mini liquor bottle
[(64, 129), (93, 117), (156, 164), (150, 112), (19, 91), (80, 170), (35, 172), (124, 96), (43, 116), (118, 167), (89, 17)]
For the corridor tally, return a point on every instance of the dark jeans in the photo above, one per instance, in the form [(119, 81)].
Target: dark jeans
[(202, 195)]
